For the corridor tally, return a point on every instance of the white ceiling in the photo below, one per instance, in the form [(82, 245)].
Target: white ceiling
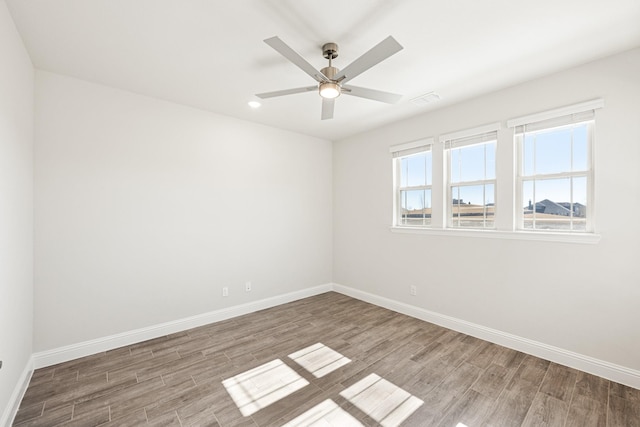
[(209, 54)]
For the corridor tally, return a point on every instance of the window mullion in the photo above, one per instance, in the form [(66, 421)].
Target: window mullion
[(535, 201), (558, 175), (484, 187), (415, 187), (571, 179), (469, 183)]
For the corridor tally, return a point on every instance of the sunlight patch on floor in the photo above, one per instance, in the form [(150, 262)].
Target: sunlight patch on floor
[(260, 387), (381, 400), (319, 359), (325, 414)]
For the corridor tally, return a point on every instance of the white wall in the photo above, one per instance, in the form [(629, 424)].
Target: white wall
[(16, 208), (145, 209), (582, 298)]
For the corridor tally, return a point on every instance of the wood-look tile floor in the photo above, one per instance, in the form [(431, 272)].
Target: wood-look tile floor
[(441, 377)]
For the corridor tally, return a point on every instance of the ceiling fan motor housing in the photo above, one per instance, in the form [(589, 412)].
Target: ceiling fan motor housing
[(329, 72)]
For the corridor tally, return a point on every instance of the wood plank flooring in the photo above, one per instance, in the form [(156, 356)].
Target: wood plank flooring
[(461, 381)]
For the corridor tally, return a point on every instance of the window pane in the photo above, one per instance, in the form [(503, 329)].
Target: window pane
[(428, 167), (473, 206), (404, 171), (455, 165), (579, 203), (471, 163), (553, 151), (490, 168), (580, 148), (527, 200), (552, 196), (528, 155), (555, 190), (415, 170), (580, 190), (415, 207), (490, 205)]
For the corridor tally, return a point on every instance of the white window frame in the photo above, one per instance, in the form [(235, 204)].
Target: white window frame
[(466, 138), (566, 117), (400, 152)]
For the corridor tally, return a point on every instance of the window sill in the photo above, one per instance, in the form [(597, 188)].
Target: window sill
[(581, 238)]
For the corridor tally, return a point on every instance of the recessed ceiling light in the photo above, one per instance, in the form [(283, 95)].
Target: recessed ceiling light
[(254, 104)]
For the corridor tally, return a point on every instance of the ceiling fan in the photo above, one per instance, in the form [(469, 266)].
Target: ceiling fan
[(331, 81)]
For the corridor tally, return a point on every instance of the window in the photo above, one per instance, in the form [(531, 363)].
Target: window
[(542, 190), (554, 185), (471, 177), (412, 164)]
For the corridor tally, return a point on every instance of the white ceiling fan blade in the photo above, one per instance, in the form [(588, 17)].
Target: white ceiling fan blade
[(327, 108), (376, 95), (295, 57), (286, 92), (376, 54)]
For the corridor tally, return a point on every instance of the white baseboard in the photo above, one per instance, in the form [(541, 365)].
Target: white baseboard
[(588, 364), (613, 372), (75, 351), (13, 405)]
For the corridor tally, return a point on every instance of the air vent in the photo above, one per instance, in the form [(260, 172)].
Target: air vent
[(425, 99)]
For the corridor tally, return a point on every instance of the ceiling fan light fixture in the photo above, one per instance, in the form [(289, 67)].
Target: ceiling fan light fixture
[(329, 90)]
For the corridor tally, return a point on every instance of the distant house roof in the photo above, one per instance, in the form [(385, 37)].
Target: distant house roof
[(557, 208), (575, 205), (552, 208)]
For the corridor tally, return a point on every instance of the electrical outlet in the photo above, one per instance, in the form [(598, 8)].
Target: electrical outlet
[(413, 290), (247, 286), (225, 292)]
